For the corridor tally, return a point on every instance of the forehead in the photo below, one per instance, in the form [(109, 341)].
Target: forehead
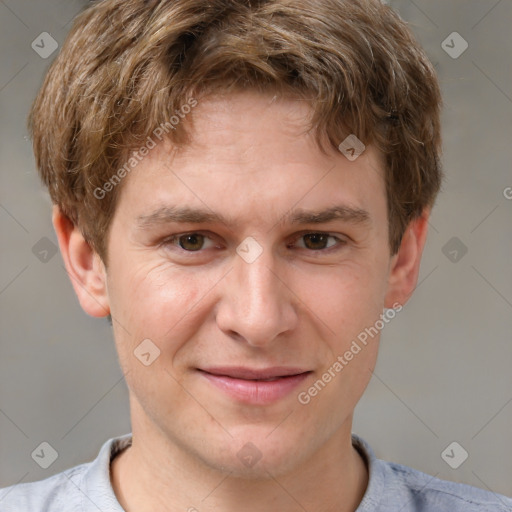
[(248, 150)]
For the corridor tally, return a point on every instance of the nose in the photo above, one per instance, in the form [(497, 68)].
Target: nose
[(256, 304)]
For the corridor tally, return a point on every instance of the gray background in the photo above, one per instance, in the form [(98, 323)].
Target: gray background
[(444, 368)]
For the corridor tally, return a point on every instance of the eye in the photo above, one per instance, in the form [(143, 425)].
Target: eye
[(190, 242), (312, 241), (319, 241)]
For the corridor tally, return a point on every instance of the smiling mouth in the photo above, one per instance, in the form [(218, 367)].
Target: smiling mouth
[(253, 374), (269, 379), (255, 387)]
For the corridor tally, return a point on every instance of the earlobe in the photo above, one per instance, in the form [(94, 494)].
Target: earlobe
[(405, 265), (83, 265)]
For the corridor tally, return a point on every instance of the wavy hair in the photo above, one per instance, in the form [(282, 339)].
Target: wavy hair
[(127, 66)]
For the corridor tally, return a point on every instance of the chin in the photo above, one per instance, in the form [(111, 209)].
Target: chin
[(257, 453)]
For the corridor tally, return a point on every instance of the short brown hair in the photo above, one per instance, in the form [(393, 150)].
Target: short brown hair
[(127, 66)]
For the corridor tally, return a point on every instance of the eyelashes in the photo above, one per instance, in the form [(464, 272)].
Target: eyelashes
[(312, 241)]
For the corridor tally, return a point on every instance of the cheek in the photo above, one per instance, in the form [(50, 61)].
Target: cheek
[(349, 303), (164, 305), (347, 299), (157, 302)]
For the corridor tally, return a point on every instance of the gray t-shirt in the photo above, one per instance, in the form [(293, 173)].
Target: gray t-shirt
[(391, 488)]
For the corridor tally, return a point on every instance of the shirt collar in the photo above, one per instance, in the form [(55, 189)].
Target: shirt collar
[(98, 494), (97, 491), (376, 476)]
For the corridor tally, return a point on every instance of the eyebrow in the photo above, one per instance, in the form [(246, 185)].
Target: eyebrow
[(344, 213), (169, 214)]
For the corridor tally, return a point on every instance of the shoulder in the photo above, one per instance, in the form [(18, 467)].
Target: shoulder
[(57, 493), (83, 488), (393, 487), (425, 493)]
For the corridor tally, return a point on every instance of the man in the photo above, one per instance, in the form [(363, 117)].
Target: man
[(243, 187)]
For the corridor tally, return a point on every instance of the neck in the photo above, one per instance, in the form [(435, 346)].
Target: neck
[(156, 474)]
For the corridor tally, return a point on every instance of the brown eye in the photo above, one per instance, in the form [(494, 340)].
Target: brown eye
[(320, 242), (192, 242), (315, 240), (189, 243)]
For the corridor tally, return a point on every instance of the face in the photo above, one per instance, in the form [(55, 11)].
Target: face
[(248, 255)]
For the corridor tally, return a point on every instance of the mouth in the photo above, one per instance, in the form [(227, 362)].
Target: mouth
[(255, 386)]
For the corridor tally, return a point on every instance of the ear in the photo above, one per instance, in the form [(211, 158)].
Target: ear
[(84, 267), (405, 264)]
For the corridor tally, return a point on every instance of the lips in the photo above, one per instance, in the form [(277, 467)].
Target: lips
[(265, 374), (255, 386)]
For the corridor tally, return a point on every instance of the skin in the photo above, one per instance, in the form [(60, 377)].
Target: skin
[(252, 162)]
